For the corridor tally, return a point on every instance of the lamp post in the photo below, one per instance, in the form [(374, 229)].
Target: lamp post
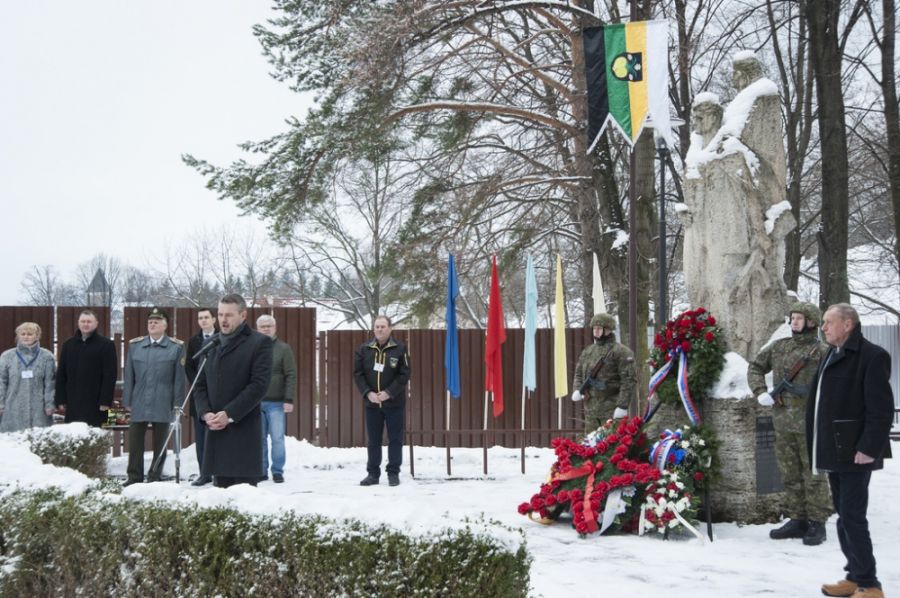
[(662, 151)]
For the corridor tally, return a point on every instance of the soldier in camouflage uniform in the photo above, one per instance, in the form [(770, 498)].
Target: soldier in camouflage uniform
[(808, 498), (611, 390)]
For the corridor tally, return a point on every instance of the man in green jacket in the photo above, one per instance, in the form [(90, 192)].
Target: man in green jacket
[(279, 399), (611, 388)]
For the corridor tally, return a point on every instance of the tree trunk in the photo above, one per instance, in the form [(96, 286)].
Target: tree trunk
[(891, 114), (822, 20)]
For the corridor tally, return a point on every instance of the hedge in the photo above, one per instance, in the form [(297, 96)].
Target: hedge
[(100, 544), (75, 445)]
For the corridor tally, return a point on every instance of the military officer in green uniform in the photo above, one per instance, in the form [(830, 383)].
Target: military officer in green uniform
[(152, 384), (793, 362), (610, 390)]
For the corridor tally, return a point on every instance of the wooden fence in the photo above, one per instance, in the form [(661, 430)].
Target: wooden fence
[(426, 412), (325, 367)]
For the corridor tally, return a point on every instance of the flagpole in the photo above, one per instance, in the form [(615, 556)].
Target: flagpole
[(447, 436), (524, 397), (559, 415), (484, 433)]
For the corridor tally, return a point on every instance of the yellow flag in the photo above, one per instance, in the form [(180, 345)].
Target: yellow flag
[(561, 378)]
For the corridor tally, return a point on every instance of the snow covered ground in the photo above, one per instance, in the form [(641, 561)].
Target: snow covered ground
[(741, 561)]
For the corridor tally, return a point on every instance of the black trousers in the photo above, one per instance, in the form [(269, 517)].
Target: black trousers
[(226, 482), (200, 438), (136, 433), (376, 420), (850, 493)]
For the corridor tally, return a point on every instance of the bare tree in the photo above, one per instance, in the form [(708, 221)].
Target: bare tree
[(42, 285)]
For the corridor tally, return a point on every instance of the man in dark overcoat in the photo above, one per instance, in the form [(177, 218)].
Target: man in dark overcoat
[(86, 377), (206, 319), (228, 394), (848, 422)]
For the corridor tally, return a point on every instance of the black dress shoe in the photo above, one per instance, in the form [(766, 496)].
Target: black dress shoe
[(795, 528), (393, 479), (278, 478), (369, 480), (202, 481), (263, 478), (131, 481)]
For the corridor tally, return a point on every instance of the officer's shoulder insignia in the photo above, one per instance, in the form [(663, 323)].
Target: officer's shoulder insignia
[(177, 341), (137, 339)]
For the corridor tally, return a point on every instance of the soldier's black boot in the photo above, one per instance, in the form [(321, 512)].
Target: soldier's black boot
[(795, 528), (815, 533)]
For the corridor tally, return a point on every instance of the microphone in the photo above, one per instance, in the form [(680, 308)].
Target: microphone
[(209, 346)]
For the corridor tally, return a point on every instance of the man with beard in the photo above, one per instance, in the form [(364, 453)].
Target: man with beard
[(228, 393), (794, 360), (611, 388)]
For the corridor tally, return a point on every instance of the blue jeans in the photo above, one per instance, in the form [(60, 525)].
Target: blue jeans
[(273, 424), (376, 421)]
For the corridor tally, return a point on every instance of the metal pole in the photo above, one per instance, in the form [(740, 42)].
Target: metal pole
[(661, 308), (632, 237)]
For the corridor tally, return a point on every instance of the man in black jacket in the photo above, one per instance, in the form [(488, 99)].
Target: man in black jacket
[(228, 393), (86, 377), (207, 322), (381, 371), (848, 422)]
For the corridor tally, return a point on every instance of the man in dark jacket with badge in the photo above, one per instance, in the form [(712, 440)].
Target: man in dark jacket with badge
[(611, 387), (228, 393), (152, 384), (86, 377), (381, 372), (848, 422), (793, 362)]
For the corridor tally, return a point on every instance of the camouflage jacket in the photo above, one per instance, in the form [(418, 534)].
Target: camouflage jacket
[(617, 374), (780, 356)]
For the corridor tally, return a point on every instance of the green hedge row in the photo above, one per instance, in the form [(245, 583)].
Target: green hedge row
[(103, 545), (87, 451)]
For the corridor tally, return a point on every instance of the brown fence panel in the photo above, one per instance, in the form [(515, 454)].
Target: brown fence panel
[(427, 404), (297, 327), (11, 316)]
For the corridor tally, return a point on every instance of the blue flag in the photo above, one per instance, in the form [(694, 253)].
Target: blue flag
[(529, 376), (451, 346)]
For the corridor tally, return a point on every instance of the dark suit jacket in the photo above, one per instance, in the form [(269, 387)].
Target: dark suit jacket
[(854, 409), (235, 380)]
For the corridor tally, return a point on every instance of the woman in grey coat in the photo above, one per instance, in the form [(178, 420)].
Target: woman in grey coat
[(27, 382)]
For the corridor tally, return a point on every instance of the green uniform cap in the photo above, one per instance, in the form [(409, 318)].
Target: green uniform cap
[(810, 312), (605, 320)]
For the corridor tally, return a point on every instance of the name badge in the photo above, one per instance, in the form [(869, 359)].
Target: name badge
[(378, 367), (26, 374)]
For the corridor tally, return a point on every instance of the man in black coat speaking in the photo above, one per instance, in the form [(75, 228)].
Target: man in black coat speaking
[(848, 423), (228, 393)]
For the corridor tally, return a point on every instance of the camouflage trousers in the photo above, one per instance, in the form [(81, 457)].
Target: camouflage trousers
[(807, 496), (597, 410)]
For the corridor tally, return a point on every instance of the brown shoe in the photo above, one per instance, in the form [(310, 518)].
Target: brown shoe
[(868, 593), (845, 588)]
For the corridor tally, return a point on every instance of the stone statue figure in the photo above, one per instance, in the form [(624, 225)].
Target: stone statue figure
[(737, 217)]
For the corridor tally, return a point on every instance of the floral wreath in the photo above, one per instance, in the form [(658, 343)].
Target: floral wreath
[(694, 344)]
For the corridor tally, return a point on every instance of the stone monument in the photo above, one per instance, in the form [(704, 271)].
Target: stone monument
[(736, 216)]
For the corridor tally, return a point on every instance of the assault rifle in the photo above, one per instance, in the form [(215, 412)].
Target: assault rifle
[(786, 384), (589, 381)]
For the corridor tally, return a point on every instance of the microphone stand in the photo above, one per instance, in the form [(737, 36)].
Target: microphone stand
[(175, 428)]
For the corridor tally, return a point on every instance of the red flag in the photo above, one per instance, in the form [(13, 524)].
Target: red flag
[(496, 336)]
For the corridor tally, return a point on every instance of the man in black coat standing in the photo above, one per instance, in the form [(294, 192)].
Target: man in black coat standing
[(86, 377), (381, 371), (848, 422), (228, 393), (207, 322)]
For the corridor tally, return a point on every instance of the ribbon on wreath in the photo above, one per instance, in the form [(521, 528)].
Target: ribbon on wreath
[(662, 449), (585, 469), (681, 382)]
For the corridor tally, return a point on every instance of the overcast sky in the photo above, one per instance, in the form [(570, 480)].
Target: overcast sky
[(99, 101)]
